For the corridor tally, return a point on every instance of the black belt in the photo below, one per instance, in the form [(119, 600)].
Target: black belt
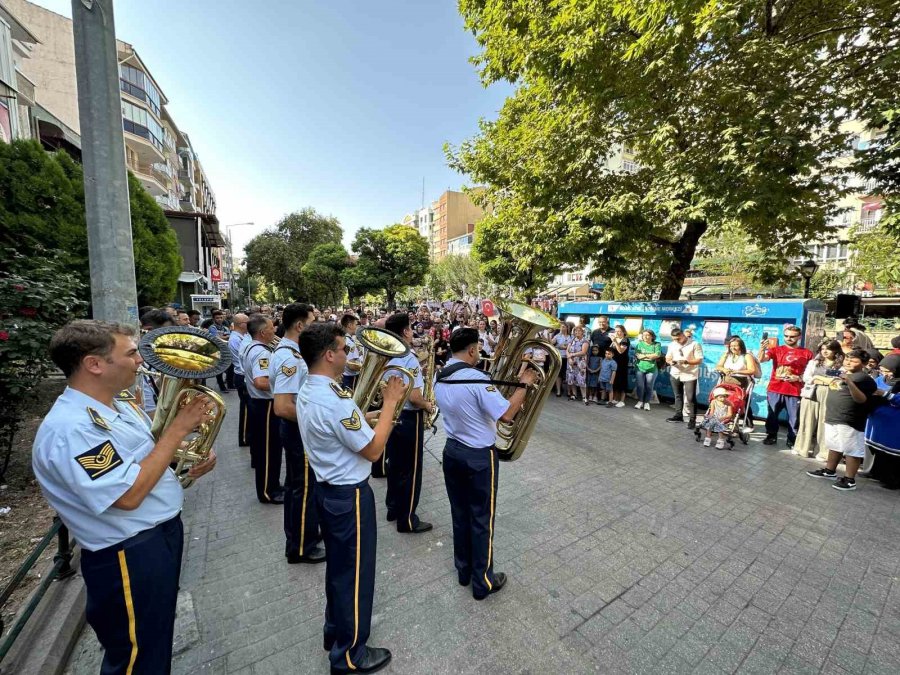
[(348, 485), (468, 447)]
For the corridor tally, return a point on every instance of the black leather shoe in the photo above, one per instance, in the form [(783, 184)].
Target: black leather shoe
[(499, 583), (790, 444), (692, 424), (274, 499), (391, 516), (420, 527), (317, 555), (675, 418), (770, 440), (374, 660)]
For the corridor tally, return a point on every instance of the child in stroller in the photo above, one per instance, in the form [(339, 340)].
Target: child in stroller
[(726, 397)]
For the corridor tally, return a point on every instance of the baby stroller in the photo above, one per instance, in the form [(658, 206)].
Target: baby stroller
[(739, 398)]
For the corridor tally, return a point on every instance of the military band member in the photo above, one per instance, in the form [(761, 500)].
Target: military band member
[(238, 340), (350, 323), (102, 471), (341, 446), (147, 390), (404, 447), (471, 466), (301, 517), (265, 429)]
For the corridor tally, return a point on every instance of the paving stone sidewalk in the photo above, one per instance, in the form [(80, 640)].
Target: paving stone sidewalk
[(630, 548)]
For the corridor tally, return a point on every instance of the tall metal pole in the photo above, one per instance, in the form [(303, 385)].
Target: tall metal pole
[(110, 249)]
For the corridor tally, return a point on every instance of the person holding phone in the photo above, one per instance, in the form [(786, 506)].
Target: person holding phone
[(789, 361), (819, 374)]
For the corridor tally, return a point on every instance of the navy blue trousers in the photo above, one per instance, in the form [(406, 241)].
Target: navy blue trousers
[(777, 402), (404, 468), (350, 534), (131, 592), (265, 447), (244, 414), (471, 476), (301, 515)]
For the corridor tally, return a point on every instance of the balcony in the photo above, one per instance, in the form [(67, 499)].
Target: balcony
[(167, 201), (162, 169), (147, 176)]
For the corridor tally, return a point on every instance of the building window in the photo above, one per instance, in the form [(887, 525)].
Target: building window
[(139, 122), (136, 83)]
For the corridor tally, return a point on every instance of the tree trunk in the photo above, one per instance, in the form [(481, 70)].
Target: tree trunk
[(390, 294), (682, 255)]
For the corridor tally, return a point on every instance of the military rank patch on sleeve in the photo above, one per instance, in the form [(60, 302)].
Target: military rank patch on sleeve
[(340, 391), (491, 387), (289, 370), (352, 423), (99, 460), (264, 363)]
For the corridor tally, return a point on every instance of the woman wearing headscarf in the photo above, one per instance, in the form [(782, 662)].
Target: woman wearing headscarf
[(883, 425)]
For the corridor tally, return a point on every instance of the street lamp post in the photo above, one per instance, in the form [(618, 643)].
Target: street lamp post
[(231, 255), (807, 270)]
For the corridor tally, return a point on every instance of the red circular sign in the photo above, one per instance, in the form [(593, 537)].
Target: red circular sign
[(215, 274), (487, 308)]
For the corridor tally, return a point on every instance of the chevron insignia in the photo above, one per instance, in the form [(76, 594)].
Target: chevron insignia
[(125, 395), (289, 370), (98, 420), (340, 391), (352, 423), (99, 460), (491, 387), (264, 363)]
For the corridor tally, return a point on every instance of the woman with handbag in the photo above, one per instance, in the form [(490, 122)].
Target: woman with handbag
[(819, 374)]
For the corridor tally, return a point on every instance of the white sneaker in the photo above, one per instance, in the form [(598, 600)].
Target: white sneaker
[(646, 406), (638, 405), (707, 442), (720, 445), (620, 404)]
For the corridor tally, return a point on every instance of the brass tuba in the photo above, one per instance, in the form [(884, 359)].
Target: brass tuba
[(381, 346), (425, 356), (519, 331), (180, 355)]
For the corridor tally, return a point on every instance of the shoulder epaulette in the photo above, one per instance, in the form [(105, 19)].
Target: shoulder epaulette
[(340, 391), (125, 395)]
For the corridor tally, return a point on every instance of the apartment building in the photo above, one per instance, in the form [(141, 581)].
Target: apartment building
[(448, 224), (157, 152)]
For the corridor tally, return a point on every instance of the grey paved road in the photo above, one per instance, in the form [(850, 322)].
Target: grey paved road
[(630, 548)]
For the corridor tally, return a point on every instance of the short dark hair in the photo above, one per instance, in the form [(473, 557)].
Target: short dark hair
[(462, 339), (895, 342), (146, 308), (397, 322), (347, 319), (296, 311), (71, 343), (860, 354), (193, 312), (217, 312), (675, 332), (156, 318), (318, 339), (609, 350), (256, 323)]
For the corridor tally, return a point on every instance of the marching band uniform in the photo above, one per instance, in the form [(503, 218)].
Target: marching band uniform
[(265, 432), (471, 466), (349, 377), (402, 460), (86, 456), (334, 430), (301, 517), (237, 342)]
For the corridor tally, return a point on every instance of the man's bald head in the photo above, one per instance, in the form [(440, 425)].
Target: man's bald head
[(239, 322)]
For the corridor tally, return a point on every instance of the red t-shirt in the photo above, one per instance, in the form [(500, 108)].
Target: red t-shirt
[(793, 359)]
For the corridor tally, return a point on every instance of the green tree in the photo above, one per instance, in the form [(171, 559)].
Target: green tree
[(358, 283), (279, 255), (732, 111), (42, 205), (323, 271), (826, 282), (739, 263), (880, 161), (453, 276), (873, 256), (391, 259)]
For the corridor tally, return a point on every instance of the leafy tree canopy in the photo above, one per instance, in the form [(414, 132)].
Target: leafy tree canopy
[(42, 206), (278, 255), (454, 276), (322, 273), (733, 112), (391, 259)]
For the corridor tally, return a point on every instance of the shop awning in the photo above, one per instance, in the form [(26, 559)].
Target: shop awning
[(872, 206), (192, 278)]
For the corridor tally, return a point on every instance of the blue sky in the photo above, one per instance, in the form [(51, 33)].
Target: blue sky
[(343, 105)]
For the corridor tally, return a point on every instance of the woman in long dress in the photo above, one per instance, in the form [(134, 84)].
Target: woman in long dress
[(576, 373)]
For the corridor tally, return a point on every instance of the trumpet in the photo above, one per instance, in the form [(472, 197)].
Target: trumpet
[(381, 346), (180, 355)]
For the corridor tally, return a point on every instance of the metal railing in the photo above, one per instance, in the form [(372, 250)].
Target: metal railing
[(62, 569)]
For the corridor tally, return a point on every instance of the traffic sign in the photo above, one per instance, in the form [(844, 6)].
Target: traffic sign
[(215, 274)]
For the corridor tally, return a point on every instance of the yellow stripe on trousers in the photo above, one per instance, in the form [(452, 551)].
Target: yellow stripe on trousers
[(412, 492), (244, 424), (129, 608), (266, 478), (305, 492), (355, 591), (490, 528)]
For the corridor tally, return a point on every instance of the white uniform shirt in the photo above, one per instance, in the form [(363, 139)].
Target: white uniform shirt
[(256, 364), (470, 411), (236, 342), (411, 363), (288, 368), (333, 430), (86, 456), (353, 355)]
